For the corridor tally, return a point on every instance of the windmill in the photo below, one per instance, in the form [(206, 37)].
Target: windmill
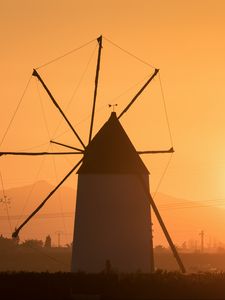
[(113, 208)]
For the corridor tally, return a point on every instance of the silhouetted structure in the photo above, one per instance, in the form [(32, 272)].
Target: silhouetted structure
[(113, 218), (48, 242), (202, 236), (32, 243)]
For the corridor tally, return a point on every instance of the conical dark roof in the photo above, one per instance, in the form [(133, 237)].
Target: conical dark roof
[(111, 151)]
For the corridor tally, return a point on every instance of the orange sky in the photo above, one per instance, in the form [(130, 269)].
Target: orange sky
[(185, 39)]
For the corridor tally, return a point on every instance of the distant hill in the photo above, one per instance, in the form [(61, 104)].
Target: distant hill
[(56, 217), (183, 218)]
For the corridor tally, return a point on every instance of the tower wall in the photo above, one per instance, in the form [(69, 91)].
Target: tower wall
[(112, 222)]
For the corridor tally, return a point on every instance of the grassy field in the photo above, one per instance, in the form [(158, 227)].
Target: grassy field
[(46, 276), (160, 285), (59, 260)]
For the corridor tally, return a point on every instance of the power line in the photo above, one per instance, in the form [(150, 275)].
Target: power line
[(72, 214), (77, 87), (5, 202), (48, 256), (165, 109), (192, 206), (41, 216), (14, 114), (64, 55), (33, 186), (187, 202), (129, 53), (60, 196), (53, 159), (162, 176)]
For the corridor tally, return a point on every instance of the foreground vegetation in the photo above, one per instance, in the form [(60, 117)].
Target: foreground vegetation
[(160, 285), (36, 256), (57, 283)]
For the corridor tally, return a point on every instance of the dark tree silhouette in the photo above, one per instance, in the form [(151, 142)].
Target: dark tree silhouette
[(32, 243), (48, 242)]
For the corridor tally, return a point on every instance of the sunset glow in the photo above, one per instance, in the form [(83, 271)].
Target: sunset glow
[(184, 39)]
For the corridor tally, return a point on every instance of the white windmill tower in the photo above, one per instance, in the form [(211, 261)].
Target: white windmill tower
[(113, 210)]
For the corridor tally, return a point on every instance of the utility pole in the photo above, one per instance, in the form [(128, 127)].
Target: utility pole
[(59, 237), (202, 236)]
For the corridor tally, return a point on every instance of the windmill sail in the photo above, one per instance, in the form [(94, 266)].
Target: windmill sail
[(113, 209)]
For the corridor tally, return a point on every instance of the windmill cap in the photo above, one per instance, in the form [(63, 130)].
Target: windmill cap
[(113, 114), (111, 151)]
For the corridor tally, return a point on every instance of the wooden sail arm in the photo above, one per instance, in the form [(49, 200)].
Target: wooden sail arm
[(16, 232), (67, 146), (163, 226), (35, 73), (171, 150), (138, 93), (39, 153), (96, 86)]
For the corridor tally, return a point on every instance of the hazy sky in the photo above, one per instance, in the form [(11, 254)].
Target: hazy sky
[(185, 39)]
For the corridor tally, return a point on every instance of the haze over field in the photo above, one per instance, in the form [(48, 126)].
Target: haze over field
[(58, 216)]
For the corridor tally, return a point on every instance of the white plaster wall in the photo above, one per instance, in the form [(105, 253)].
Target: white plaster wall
[(112, 223)]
